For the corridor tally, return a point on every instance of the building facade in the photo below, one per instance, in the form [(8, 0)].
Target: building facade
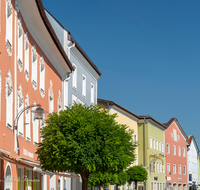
[(192, 153), (151, 152), (176, 156), (33, 70), (128, 118)]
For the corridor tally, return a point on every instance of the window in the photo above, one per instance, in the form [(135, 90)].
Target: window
[(179, 151), (168, 168), (174, 168), (27, 117), (150, 142), (135, 138), (175, 135), (157, 167), (50, 104), (179, 169), (178, 138), (154, 166), (34, 68), (136, 162), (42, 77), (84, 86), (159, 146), (9, 16), (160, 186), (154, 147), (160, 167), (92, 93), (163, 168), (35, 127), (20, 46), (156, 144), (168, 149), (42, 124), (74, 77), (151, 166), (183, 152), (9, 101), (162, 147), (21, 118), (174, 150), (51, 97), (59, 101), (171, 135), (26, 63)]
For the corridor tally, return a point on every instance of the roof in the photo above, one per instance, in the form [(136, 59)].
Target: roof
[(175, 120), (52, 33), (140, 117), (72, 39), (190, 140)]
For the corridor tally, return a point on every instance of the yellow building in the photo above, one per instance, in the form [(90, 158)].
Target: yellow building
[(124, 117)]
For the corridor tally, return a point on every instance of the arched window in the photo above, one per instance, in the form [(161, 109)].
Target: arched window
[(8, 178)]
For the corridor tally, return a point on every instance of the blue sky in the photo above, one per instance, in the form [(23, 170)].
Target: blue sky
[(147, 51)]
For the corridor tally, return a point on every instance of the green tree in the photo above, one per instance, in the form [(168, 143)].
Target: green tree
[(84, 140), (136, 173)]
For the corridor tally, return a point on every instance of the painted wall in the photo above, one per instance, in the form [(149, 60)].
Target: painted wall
[(192, 162), (178, 141), (155, 132)]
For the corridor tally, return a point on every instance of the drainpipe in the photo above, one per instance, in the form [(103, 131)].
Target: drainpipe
[(145, 162)]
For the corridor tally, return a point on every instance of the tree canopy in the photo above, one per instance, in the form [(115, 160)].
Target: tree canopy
[(85, 139), (136, 173)]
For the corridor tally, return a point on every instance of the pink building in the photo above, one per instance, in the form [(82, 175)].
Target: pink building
[(176, 156)]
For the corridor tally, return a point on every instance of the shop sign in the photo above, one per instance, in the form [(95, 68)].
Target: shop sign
[(27, 153), (169, 178), (179, 179)]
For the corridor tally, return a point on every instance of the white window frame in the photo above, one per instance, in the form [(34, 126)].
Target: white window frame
[(154, 145), (183, 152), (184, 170), (9, 101), (135, 138), (84, 86), (28, 127), (34, 60), (163, 168), (20, 45), (159, 146), (158, 167), (20, 125), (162, 147), (51, 104), (151, 142), (154, 166), (168, 148), (168, 168), (179, 151), (174, 150), (42, 124), (9, 27), (74, 77), (151, 166), (136, 162), (26, 56), (175, 135), (174, 168), (35, 127), (92, 93), (179, 169), (42, 77)]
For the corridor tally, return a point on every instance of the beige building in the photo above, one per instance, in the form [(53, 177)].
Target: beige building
[(124, 116)]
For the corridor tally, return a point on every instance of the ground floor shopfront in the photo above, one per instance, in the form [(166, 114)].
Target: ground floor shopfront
[(20, 174)]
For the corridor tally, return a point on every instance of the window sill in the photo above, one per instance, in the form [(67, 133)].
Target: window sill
[(34, 84), (74, 88), (35, 144), (42, 92), (84, 96), (9, 48), (28, 140), (20, 135), (8, 126)]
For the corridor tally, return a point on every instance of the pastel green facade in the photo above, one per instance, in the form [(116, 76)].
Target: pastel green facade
[(156, 156)]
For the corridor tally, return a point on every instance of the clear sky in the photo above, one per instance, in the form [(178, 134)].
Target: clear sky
[(147, 51)]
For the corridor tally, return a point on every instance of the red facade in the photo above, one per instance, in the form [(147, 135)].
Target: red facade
[(176, 156)]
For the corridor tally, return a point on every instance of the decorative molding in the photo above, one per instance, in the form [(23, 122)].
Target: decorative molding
[(19, 27), (8, 3), (51, 89), (33, 50), (9, 80), (16, 7), (8, 49), (19, 92), (27, 100)]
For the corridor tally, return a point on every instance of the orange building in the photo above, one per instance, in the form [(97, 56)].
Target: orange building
[(176, 156), (33, 67)]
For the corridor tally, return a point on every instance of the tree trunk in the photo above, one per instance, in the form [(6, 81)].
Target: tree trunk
[(84, 176), (135, 185)]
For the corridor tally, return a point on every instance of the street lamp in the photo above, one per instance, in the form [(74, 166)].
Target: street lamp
[(39, 112)]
